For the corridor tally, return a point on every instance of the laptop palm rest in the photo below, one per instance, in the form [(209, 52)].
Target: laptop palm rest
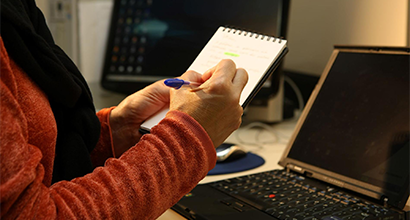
[(210, 203)]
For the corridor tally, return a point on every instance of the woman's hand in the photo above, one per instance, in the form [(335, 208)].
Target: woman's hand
[(215, 103), (127, 117)]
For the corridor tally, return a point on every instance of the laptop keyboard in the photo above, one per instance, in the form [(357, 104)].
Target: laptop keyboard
[(288, 196)]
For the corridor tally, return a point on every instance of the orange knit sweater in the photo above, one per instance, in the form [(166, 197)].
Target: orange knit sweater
[(141, 184)]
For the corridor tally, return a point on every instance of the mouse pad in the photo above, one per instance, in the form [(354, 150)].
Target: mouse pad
[(248, 162)]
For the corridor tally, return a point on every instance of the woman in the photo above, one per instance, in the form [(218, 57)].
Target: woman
[(60, 159)]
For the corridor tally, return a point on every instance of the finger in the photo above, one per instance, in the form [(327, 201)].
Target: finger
[(225, 69), (208, 74), (157, 90), (192, 76), (240, 79)]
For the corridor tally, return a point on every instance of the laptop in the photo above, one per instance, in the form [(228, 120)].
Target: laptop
[(347, 159)]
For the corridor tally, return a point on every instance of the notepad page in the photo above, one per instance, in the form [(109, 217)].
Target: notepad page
[(252, 53), (255, 53)]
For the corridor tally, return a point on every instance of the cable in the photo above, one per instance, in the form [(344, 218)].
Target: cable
[(297, 92), (276, 138), (256, 141)]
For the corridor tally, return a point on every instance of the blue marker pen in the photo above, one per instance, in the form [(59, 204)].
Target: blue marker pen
[(178, 83)]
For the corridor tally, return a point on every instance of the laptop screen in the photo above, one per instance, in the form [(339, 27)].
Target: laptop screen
[(358, 125)]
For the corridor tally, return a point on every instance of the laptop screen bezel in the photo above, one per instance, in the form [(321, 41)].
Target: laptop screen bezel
[(333, 178)]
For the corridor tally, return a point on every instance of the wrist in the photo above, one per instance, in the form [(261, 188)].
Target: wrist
[(125, 134)]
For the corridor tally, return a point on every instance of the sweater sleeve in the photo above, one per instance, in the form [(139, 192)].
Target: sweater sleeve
[(104, 148), (145, 181), (141, 184)]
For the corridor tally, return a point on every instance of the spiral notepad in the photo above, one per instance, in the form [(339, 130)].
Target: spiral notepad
[(258, 54)]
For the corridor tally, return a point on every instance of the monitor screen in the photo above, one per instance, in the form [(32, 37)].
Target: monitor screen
[(151, 40), (358, 125)]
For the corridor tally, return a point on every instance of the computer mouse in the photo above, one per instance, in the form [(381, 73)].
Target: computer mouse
[(227, 152)]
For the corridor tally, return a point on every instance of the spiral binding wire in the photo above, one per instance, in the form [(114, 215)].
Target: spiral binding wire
[(245, 32)]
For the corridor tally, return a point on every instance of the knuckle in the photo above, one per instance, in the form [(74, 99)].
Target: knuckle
[(228, 63), (242, 70), (243, 73), (189, 72), (219, 87)]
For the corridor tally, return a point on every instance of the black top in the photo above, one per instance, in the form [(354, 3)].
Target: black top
[(29, 43)]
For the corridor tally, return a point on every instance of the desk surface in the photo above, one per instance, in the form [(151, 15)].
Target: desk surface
[(267, 141)]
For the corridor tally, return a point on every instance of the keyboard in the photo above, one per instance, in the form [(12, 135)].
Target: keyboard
[(289, 196)]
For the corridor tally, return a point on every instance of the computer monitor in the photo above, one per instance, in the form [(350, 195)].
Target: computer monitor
[(151, 40)]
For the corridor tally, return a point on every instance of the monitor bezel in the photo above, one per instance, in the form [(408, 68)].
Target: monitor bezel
[(130, 86)]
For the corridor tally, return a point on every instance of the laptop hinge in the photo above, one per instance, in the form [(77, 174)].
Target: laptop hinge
[(294, 168), (385, 202)]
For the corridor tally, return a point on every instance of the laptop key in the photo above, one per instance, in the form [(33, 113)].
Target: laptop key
[(321, 214), (331, 218), (366, 215), (342, 213), (311, 218), (272, 210), (352, 217)]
